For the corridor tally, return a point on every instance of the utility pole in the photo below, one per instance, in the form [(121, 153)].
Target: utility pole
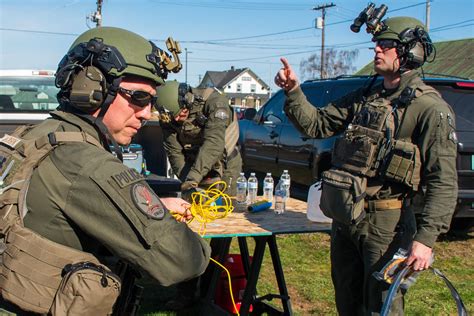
[(186, 65), (427, 19), (323, 16), (96, 17)]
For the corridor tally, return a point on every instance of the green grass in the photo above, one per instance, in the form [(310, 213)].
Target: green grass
[(305, 261)]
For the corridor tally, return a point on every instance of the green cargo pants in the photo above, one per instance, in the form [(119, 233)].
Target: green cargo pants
[(357, 251)]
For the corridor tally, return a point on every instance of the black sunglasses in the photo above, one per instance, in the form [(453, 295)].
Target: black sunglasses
[(386, 44), (139, 97)]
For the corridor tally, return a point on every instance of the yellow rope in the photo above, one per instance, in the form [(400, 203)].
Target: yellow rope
[(207, 206), (230, 284), (210, 204)]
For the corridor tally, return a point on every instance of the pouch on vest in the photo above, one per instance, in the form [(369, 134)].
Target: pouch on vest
[(357, 150), (86, 289), (403, 164), (342, 197)]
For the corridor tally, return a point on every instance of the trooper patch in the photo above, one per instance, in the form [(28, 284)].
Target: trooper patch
[(222, 114), (147, 201)]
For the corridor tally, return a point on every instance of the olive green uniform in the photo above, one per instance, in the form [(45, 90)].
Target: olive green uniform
[(196, 147), (360, 249), (81, 196)]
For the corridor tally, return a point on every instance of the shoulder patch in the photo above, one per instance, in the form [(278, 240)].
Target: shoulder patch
[(127, 177), (147, 201), (222, 114)]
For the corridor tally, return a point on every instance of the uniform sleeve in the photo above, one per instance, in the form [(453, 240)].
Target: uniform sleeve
[(320, 122), (114, 205), (437, 143), (174, 151), (213, 144)]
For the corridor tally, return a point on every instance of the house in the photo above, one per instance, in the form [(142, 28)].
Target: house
[(453, 58), (242, 86)]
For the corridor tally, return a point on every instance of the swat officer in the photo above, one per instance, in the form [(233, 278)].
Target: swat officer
[(399, 135), (80, 197), (200, 132)]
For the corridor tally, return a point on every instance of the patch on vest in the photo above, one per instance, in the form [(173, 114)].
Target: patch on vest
[(222, 114), (127, 177), (10, 141), (147, 201)]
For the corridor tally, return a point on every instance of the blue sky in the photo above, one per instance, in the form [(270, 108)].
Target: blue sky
[(217, 33)]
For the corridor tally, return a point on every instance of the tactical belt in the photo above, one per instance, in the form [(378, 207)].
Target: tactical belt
[(382, 205)]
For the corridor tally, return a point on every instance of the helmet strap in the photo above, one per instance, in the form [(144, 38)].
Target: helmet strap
[(98, 121)]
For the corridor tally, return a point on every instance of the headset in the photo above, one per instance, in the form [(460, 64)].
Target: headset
[(415, 48), (82, 74)]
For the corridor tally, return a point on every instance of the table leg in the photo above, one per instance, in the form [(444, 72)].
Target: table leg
[(220, 248), (249, 294), (285, 299), (244, 253)]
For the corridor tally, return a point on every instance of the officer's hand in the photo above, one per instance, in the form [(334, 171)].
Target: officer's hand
[(420, 256), (179, 208), (188, 185), (286, 78)]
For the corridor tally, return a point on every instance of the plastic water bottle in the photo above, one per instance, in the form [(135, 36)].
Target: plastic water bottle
[(280, 198), (241, 189), (268, 187), (252, 187), (286, 182)]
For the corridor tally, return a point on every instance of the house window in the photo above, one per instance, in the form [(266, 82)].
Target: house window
[(232, 101), (239, 87), (253, 88), (246, 78)]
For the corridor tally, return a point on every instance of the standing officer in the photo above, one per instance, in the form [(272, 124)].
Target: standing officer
[(399, 135), (81, 198), (200, 132)]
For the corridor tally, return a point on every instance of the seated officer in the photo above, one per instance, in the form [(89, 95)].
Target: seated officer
[(80, 198), (200, 132)]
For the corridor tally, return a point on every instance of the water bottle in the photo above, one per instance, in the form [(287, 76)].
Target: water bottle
[(268, 187), (252, 187), (280, 198), (241, 189), (286, 182)]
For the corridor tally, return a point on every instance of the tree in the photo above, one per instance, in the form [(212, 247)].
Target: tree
[(335, 63)]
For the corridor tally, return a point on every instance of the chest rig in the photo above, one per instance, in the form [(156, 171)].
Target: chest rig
[(370, 147), (33, 269), (191, 131)]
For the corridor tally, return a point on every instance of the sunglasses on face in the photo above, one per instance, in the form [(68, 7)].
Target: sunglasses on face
[(139, 97), (386, 44)]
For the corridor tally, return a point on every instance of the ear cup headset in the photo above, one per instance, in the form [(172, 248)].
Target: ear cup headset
[(415, 48), (82, 78)]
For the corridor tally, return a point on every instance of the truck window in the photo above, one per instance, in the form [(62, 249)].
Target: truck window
[(27, 94)]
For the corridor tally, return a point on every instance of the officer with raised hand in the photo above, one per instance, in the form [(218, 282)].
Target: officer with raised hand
[(200, 132), (80, 197), (399, 135)]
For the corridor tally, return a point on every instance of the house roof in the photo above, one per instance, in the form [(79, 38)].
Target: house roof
[(453, 58), (222, 78)]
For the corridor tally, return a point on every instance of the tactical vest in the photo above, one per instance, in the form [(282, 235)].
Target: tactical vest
[(37, 274), (370, 147), (192, 127)]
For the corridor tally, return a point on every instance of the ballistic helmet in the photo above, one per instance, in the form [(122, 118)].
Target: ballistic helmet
[(90, 73), (174, 96), (415, 44)]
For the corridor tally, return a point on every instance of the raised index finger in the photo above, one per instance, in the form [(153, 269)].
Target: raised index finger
[(285, 63)]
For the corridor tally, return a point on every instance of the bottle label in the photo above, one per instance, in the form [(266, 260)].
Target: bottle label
[(268, 186), (242, 185), (253, 185)]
